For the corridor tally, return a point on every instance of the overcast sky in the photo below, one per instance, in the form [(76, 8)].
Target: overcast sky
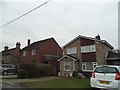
[(62, 19)]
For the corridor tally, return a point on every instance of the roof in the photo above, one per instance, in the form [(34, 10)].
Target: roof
[(4, 51), (90, 38), (36, 44), (112, 55), (68, 56)]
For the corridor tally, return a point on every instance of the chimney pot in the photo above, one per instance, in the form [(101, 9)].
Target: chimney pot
[(97, 37), (6, 48), (18, 45)]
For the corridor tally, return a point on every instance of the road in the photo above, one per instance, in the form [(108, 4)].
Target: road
[(5, 85)]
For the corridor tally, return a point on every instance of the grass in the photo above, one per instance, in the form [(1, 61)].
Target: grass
[(61, 83)]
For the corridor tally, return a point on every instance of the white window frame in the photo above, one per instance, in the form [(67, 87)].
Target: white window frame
[(84, 66), (72, 50), (24, 53), (65, 66), (88, 48), (33, 51)]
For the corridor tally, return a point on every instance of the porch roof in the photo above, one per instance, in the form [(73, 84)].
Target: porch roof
[(68, 56)]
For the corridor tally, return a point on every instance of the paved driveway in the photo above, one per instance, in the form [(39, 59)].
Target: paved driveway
[(13, 81)]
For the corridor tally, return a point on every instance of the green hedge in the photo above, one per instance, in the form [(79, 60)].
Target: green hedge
[(22, 74), (36, 70)]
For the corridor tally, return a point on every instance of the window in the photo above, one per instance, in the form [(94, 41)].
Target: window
[(88, 66), (71, 50), (67, 66), (7, 56), (106, 69), (33, 51), (24, 53), (88, 48)]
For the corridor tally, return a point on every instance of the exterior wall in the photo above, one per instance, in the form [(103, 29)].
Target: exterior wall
[(85, 42), (101, 52), (76, 44), (90, 56), (11, 56), (29, 58), (49, 47), (62, 71)]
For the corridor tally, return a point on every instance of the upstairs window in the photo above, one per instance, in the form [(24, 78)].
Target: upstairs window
[(71, 50), (88, 48), (33, 51), (24, 53)]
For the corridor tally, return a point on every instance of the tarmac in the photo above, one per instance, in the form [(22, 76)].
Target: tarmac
[(12, 80)]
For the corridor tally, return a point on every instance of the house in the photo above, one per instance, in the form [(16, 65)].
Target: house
[(113, 57), (11, 56), (43, 51), (83, 54)]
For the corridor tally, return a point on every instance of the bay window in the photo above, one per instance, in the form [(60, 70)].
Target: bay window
[(88, 66)]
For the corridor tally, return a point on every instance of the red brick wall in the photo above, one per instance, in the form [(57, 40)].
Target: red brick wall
[(49, 47), (89, 57), (86, 41)]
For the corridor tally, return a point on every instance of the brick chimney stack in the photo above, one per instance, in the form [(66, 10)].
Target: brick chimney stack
[(28, 43), (97, 37), (18, 45), (6, 48)]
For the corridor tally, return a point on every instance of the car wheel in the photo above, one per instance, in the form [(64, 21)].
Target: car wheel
[(5, 72)]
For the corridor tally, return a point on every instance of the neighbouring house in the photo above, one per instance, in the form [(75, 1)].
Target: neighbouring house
[(113, 57), (83, 54), (11, 56), (43, 51)]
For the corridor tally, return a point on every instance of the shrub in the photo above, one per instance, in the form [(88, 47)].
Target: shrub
[(22, 74), (38, 70)]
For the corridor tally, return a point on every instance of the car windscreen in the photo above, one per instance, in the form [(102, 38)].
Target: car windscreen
[(106, 69)]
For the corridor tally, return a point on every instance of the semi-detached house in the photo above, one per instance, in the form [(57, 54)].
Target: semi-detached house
[(83, 54)]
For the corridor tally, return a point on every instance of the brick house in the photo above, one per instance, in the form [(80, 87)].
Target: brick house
[(11, 56), (83, 54), (44, 51), (113, 57)]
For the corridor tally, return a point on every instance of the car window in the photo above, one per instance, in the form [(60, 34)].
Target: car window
[(8, 66), (106, 69)]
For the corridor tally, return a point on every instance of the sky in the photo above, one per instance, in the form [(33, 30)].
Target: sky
[(61, 19)]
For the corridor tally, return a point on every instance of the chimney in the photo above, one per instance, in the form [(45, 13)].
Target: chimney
[(28, 43), (97, 37), (6, 48), (18, 45)]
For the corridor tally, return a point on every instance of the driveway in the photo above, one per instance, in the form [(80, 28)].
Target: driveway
[(13, 81)]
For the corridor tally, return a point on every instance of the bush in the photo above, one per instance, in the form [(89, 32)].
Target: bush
[(37, 70), (22, 74)]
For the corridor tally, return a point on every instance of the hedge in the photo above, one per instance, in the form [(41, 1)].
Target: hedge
[(36, 70)]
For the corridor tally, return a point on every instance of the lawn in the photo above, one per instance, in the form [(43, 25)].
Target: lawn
[(61, 83)]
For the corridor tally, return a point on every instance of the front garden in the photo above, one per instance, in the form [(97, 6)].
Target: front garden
[(72, 82)]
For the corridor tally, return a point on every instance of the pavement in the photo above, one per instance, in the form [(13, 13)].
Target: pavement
[(13, 81)]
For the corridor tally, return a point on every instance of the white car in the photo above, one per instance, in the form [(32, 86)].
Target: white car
[(106, 77)]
